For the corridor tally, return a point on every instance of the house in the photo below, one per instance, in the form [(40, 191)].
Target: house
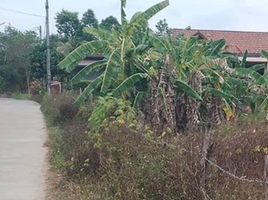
[(87, 61), (236, 42)]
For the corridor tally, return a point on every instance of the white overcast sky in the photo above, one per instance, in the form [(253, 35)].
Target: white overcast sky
[(246, 15)]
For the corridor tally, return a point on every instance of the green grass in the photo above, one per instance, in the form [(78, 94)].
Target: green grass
[(20, 96)]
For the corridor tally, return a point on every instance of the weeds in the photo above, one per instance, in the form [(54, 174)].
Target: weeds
[(20, 96), (59, 109), (121, 160)]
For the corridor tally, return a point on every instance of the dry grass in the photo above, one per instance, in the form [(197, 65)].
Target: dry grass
[(129, 164)]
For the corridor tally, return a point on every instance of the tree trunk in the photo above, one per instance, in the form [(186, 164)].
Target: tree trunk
[(28, 80)]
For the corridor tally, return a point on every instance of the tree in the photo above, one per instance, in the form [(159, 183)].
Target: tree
[(110, 23), (163, 28), (89, 19), (38, 60), (15, 58), (69, 26)]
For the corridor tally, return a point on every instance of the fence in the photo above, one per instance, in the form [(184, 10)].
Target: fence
[(204, 161)]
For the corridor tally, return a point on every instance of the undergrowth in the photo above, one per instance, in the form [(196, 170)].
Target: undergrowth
[(20, 96), (117, 157)]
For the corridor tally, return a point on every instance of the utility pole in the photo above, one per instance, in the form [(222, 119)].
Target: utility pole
[(40, 32), (39, 29), (48, 49)]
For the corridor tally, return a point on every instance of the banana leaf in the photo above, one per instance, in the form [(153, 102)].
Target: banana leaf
[(213, 48), (89, 90), (100, 33), (87, 70), (128, 83), (244, 59), (77, 55), (112, 64), (264, 54), (257, 67), (138, 99), (264, 104), (248, 73), (187, 89), (218, 93), (146, 15)]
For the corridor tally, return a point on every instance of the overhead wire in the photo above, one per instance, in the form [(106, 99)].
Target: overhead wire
[(20, 12)]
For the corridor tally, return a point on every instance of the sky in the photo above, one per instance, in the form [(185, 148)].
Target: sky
[(240, 15)]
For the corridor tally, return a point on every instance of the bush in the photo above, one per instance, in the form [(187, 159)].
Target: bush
[(59, 109), (239, 149), (68, 132), (37, 98), (133, 166), (67, 143), (122, 160)]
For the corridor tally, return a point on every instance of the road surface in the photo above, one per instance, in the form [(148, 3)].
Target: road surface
[(22, 152)]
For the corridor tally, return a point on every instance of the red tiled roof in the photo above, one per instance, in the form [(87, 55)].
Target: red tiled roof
[(236, 41)]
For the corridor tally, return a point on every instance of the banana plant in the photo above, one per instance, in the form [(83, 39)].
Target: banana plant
[(179, 77), (259, 97), (120, 53), (214, 86), (240, 87)]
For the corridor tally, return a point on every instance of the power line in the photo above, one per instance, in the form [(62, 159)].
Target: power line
[(23, 13)]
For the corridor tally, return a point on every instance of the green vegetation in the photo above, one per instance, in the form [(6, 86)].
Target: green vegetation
[(23, 54), (113, 158), (16, 47), (136, 131), (177, 83), (151, 88), (20, 96)]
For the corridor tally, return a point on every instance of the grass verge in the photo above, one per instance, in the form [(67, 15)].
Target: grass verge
[(20, 96)]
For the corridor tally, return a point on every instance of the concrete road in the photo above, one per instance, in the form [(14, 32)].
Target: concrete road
[(22, 152)]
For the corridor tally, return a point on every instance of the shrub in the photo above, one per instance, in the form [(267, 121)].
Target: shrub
[(68, 132), (137, 165), (59, 109), (37, 98), (133, 166), (119, 159), (240, 150)]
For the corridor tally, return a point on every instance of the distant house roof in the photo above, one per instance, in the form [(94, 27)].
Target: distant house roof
[(90, 59), (236, 41)]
